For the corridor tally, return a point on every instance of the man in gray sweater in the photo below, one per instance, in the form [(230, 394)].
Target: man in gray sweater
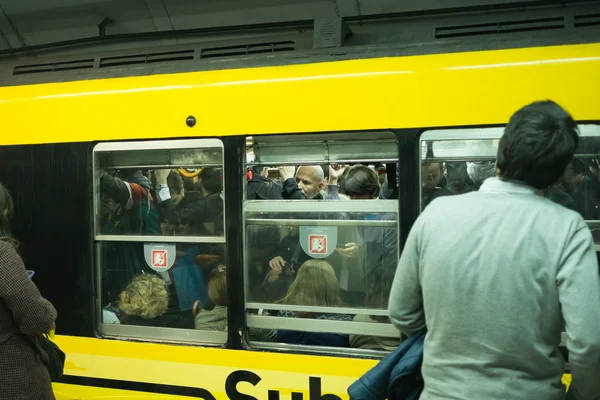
[(496, 276)]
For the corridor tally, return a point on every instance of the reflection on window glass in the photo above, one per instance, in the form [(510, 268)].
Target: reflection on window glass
[(453, 166), (318, 182), (331, 257), (160, 193), (161, 190), (164, 285), (362, 249)]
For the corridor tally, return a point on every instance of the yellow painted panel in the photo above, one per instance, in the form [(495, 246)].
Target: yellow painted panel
[(400, 92), (74, 392), (84, 350), (205, 368)]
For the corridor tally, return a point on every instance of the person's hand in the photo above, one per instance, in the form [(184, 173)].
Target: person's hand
[(348, 251), (335, 172), (273, 275), (161, 176), (287, 172), (196, 308), (276, 265)]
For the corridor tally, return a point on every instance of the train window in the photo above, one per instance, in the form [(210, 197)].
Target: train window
[(456, 161), (160, 240), (191, 167), (321, 240)]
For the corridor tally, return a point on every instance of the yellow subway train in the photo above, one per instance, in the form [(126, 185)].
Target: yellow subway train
[(391, 112)]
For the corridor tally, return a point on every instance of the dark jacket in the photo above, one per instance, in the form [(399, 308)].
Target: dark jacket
[(24, 316), (291, 191), (261, 188), (396, 377)]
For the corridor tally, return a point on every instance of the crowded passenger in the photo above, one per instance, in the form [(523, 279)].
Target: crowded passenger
[(376, 246), (432, 181), (145, 302), (169, 191), (129, 209), (508, 256), (132, 208), (178, 200), (283, 267), (584, 188), (308, 183), (315, 286), (391, 191), (259, 187), (263, 241), (481, 172), (215, 317), (377, 298), (458, 180)]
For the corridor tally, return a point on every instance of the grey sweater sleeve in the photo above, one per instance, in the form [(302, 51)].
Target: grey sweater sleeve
[(578, 283), (406, 299)]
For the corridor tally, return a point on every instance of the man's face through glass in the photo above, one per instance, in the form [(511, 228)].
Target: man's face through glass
[(458, 179), (431, 175), (309, 181)]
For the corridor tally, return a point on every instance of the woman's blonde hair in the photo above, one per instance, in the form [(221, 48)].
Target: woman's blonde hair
[(146, 296), (315, 285), (217, 286)]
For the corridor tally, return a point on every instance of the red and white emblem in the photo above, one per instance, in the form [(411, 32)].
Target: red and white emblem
[(317, 244), (159, 259)]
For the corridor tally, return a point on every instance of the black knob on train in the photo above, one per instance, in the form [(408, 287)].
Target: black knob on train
[(190, 121)]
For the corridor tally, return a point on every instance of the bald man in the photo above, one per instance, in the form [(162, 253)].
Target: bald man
[(309, 182)]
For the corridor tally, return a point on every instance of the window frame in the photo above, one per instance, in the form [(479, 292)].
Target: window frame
[(311, 207), (151, 333), (586, 129), (153, 145)]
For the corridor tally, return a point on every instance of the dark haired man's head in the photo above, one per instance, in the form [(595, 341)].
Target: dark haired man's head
[(360, 182), (538, 144), (211, 180), (432, 175), (175, 184), (258, 170)]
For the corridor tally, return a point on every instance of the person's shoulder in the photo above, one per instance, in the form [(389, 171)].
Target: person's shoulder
[(7, 249), (551, 207), (443, 202)]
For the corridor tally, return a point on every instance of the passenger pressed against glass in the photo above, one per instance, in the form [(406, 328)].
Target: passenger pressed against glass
[(362, 255), (508, 256), (159, 202), (577, 189)]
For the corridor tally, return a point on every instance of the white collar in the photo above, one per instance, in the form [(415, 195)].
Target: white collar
[(498, 185)]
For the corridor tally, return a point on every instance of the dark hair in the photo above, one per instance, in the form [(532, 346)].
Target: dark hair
[(211, 180), (538, 144), (175, 182), (360, 180), (6, 212), (258, 169), (379, 285)]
